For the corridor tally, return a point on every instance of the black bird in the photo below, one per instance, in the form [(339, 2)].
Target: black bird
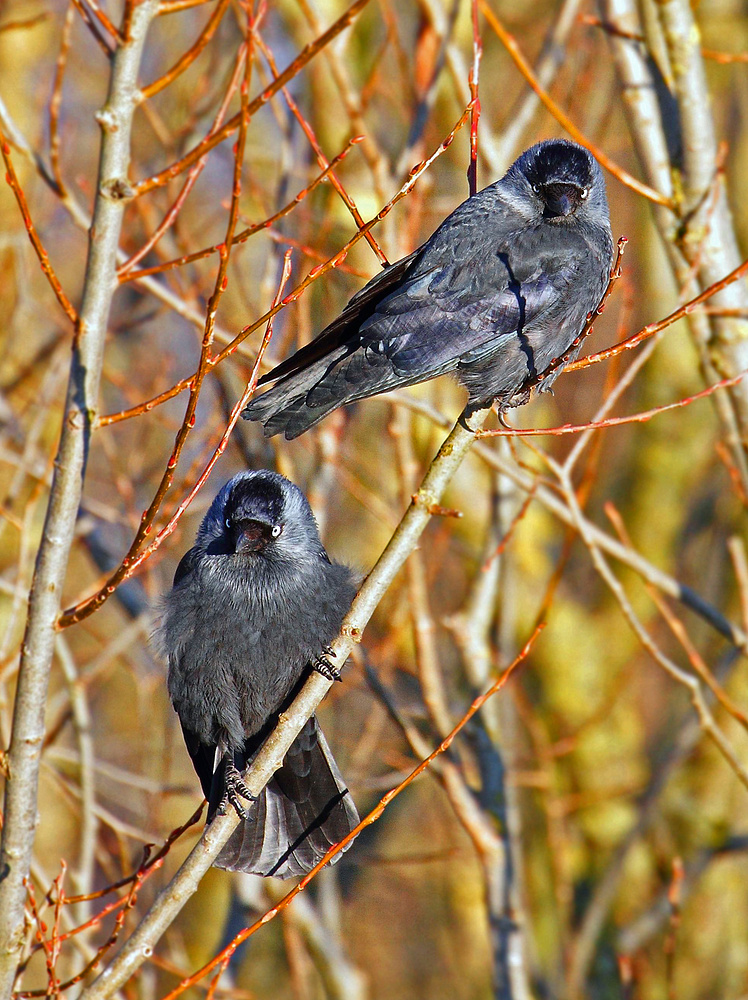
[(501, 290), (254, 605)]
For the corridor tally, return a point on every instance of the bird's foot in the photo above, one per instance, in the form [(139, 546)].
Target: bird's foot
[(236, 790), (323, 666)]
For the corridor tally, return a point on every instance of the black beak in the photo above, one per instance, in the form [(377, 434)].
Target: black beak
[(560, 199), (251, 536)]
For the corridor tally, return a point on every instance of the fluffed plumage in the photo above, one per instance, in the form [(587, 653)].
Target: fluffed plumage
[(254, 604)]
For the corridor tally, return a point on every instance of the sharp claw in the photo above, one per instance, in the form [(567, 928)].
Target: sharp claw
[(323, 666), (503, 420)]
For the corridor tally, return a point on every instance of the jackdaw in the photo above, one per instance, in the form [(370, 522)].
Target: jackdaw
[(499, 292), (255, 604)]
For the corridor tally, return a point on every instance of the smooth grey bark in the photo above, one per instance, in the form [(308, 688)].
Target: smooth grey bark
[(709, 240), (664, 92), (23, 759)]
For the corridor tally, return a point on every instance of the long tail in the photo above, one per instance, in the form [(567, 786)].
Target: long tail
[(330, 371), (287, 407), (283, 413), (303, 810)]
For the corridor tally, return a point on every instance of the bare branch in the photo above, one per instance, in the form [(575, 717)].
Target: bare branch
[(80, 412)]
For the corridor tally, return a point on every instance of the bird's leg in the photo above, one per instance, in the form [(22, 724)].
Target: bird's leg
[(235, 789), (323, 666)]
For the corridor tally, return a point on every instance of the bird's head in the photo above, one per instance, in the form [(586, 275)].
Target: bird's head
[(254, 514), (562, 179), (260, 513)]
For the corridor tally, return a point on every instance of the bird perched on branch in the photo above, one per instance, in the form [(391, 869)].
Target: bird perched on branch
[(498, 294), (255, 604)]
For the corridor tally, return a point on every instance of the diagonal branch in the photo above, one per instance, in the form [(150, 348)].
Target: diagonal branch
[(174, 896)]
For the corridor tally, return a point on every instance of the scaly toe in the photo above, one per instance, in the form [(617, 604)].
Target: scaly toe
[(233, 798), (323, 666)]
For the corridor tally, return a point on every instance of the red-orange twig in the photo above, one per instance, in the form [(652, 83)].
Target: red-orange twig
[(652, 328), (221, 969), (732, 471), (104, 21), (56, 99), (725, 57), (129, 565), (472, 171), (93, 27), (510, 43), (634, 418), (197, 168), (148, 865), (321, 158), (512, 527), (312, 276), (191, 54), (239, 237), (221, 446), (173, 6), (127, 904), (36, 242), (21, 24), (88, 606), (52, 983), (307, 53)]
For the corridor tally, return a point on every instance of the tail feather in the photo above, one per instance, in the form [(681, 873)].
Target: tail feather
[(299, 401), (294, 417), (303, 810), (285, 406)]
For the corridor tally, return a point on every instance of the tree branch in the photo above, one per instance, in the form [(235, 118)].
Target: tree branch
[(24, 754), (174, 896)]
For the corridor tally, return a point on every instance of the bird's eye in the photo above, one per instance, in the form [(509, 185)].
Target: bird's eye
[(585, 194), (227, 522), (276, 530), (536, 188)]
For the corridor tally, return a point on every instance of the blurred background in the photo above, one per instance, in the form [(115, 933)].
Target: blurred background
[(586, 836)]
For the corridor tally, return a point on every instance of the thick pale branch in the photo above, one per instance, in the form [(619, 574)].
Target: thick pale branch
[(20, 815), (708, 239)]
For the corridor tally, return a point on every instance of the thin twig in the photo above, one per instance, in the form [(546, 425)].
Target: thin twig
[(252, 107), (510, 43)]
